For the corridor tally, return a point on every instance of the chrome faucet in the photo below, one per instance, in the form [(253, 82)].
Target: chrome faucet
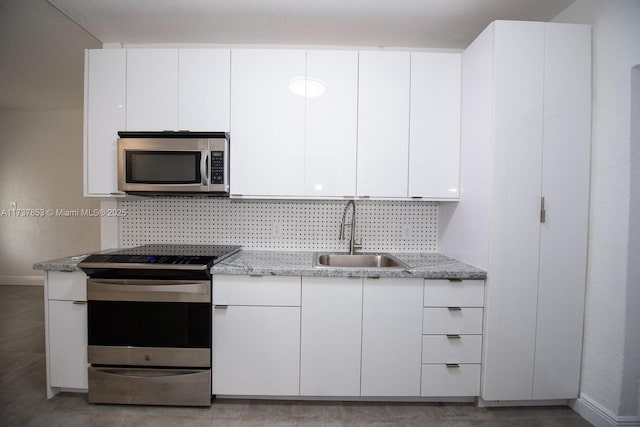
[(352, 242)]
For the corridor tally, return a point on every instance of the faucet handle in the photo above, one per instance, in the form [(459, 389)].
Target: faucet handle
[(358, 245)]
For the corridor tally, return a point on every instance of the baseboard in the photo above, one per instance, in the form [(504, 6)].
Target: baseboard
[(22, 280), (508, 403), (600, 416)]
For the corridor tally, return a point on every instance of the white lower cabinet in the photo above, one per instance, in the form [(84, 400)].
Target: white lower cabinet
[(391, 345), (68, 344), (256, 335), (458, 380), (346, 336), (361, 337), (66, 330), (331, 331), (452, 338)]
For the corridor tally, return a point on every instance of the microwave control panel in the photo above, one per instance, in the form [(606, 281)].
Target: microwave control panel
[(217, 167)]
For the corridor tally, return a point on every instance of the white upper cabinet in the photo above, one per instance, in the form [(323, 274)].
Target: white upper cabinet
[(178, 89), (331, 123), (383, 124), (152, 89), (204, 77), (267, 122), (105, 97), (434, 137), (303, 124)]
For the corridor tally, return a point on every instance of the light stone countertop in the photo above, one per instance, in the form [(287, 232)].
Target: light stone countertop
[(283, 263), (69, 263), (294, 263)]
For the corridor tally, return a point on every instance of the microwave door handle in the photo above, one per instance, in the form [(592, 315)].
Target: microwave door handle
[(204, 168)]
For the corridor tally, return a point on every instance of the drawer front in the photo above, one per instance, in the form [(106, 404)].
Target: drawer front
[(441, 320), (141, 386), (443, 381), (457, 349), (257, 290), (67, 286), (447, 293)]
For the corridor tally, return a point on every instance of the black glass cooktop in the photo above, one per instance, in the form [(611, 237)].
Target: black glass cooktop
[(161, 256)]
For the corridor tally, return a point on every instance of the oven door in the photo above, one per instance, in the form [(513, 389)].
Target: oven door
[(149, 322)]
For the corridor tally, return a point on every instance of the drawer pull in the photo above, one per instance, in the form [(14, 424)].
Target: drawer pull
[(454, 308), (80, 302), (452, 365), (453, 336), (455, 280), (256, 275), (221, 306)]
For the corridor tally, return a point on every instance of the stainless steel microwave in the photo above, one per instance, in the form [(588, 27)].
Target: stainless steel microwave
[(173, 162)]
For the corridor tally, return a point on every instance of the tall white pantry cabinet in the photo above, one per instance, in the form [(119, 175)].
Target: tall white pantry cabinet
[(523, 215)]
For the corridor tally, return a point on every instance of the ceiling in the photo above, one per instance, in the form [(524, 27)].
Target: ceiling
[(449, 24), (42, 42)]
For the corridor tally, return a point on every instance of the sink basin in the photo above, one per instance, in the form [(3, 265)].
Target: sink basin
[(357, 261)]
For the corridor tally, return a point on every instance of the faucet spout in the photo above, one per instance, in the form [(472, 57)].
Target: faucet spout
[(352, 243)]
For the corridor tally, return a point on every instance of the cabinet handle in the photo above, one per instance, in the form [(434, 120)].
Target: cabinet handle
[(454, 308), (80, 302), (453, 336), (452, 365), (67, 271), (221, 306), (543, 211), (455, 280)]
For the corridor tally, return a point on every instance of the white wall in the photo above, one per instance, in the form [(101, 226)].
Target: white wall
[(41, 168), (609, 379), (631, 373)]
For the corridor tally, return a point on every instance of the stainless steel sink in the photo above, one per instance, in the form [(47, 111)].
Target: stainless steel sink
[(357, 261)]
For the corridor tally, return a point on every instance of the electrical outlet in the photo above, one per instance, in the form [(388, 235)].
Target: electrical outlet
[(276, 229), (13, 205)]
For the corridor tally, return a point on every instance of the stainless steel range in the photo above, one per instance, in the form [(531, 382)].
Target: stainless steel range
[(149, 324)]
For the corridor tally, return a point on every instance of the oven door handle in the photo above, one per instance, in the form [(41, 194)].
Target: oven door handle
[(148, 290)]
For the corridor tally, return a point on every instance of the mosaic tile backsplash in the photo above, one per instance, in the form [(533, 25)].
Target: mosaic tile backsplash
[(401, 226)]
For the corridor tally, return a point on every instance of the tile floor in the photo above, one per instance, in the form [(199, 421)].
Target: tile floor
[(23, 401)]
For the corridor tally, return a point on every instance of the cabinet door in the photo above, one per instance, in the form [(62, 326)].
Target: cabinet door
[(67, 344), (331, 124), (391, 337), (105, 95), (331, 336), (434, 138), (204, 79), (152, 89), (383, 124), (510, 334), (256, 350), (565, 187), (267, 123)]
